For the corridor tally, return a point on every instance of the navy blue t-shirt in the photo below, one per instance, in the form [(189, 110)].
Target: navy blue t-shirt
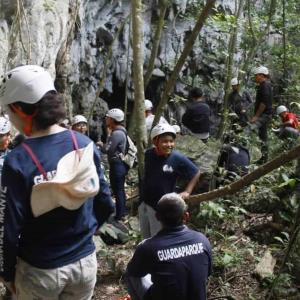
[(196, 117), (233, 161), (161, 174), (179, 261), (264, 95), (60, 236)]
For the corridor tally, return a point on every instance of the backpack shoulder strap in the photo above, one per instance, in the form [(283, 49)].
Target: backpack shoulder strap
[(35, 160), (126, 136), (74, 140)]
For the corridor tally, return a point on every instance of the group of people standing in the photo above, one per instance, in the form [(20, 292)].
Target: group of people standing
[(54, 195)]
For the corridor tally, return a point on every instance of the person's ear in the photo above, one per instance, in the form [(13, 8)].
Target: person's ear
[(186, 217)]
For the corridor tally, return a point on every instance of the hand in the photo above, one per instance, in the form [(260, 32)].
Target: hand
[(100, 144), (184, 195), (254, 119)]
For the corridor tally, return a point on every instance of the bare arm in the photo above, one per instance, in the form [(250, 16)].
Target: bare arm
[(190, 186)]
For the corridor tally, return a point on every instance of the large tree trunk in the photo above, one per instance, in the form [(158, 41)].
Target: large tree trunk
[(187, 49), (249, 178), (138, 81)]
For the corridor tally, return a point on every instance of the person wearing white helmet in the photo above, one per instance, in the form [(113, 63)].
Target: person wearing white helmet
[(177, 129), (196, 117), (79, 123), (51, 204), (150, 116), (237, 104), (290, 124), (262, 109), (115, 147), (5, 139), (163, 167)]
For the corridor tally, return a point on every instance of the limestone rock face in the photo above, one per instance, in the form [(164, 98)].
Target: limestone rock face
[(72, 39)]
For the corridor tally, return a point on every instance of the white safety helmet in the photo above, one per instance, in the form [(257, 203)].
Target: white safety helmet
[(4, 125), (161, 129), (261, 70), (148, 104), (27, 84), (280, 109), (234, 81), (79, 119), (177, 128), (116, 114)]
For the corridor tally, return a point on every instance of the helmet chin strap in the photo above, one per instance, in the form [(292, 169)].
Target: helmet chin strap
[(28, 119)]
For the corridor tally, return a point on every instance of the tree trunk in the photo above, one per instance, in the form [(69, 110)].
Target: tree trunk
[(138, 80), (187, 49), (258, 41), (156, 40), (229, 65), (284, 62), (249, 178)]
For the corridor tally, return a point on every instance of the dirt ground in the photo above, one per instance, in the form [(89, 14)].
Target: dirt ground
[(109, 289)]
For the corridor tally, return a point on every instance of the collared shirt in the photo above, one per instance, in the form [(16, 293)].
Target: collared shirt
[(58, 237), (179, 261)]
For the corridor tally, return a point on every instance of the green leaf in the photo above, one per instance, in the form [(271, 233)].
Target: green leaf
[(227, 259)]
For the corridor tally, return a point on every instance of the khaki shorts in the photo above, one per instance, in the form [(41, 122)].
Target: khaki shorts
[(75, 281), (148, 222)]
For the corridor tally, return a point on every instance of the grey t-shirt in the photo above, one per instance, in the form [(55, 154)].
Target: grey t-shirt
[(116, 144)]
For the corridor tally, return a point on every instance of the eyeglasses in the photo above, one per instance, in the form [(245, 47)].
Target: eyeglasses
[(81, 125)]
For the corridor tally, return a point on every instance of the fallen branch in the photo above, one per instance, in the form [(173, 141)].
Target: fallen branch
[(249, 178)]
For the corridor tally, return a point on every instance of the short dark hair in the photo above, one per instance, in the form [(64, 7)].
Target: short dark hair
[(48, 111), (170, 209), (195, 93)]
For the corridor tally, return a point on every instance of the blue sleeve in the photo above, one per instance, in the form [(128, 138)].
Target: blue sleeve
[(139, 265), (187, 168), (103, 205), (14, 209)]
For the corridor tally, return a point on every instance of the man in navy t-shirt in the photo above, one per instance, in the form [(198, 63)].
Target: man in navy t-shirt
[(175, 263), (262, 110), (163, 167)]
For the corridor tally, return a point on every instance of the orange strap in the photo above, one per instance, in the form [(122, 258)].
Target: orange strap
[(28, 119)]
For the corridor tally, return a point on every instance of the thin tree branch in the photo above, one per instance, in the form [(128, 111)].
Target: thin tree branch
[(156, 41), (247, 179), (186, 51)]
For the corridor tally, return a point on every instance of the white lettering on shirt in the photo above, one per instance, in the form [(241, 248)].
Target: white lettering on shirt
[(2, 218), (183, 251), (40, 178), (168, 169)]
